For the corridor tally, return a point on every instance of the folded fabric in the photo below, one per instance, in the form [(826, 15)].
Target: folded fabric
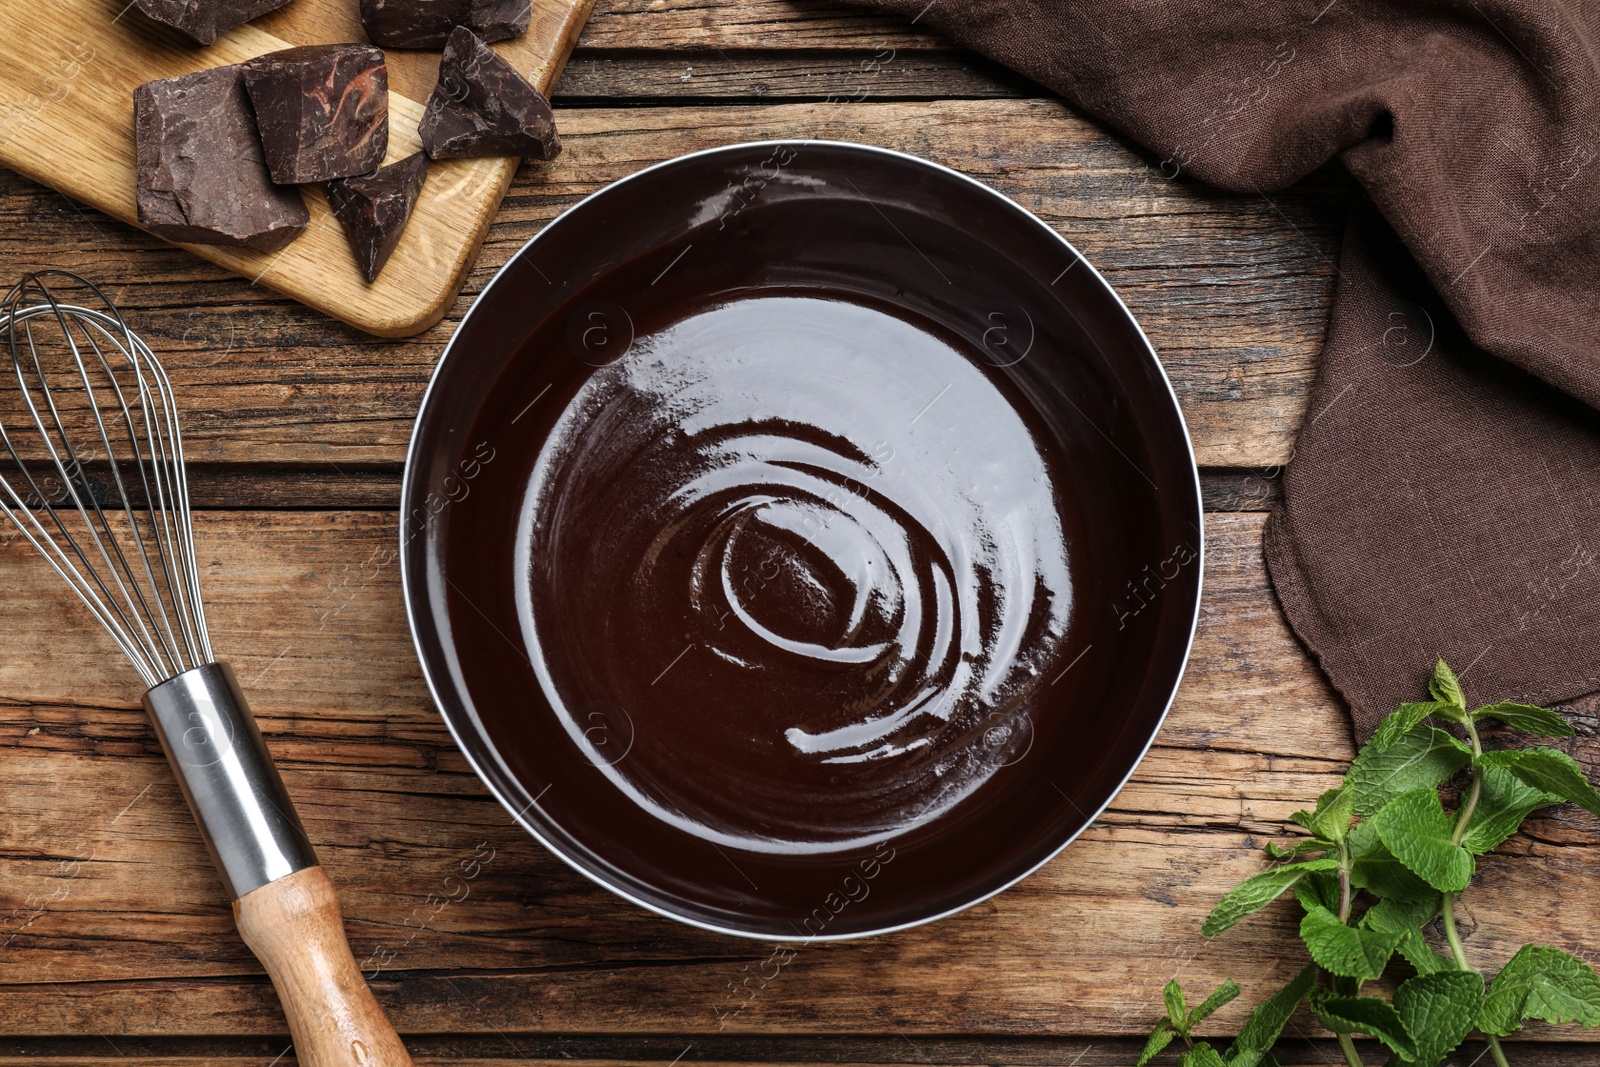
[(1444, 495)]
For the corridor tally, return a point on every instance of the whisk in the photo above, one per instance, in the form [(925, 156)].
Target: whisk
[(97, 484)]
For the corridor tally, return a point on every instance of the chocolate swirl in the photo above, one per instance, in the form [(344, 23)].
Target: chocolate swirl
[(795, 595)]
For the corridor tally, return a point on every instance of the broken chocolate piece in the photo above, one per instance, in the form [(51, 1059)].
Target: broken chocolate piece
[(201, 177), (483, 107), (323, 110), (205, 20), (428, 23), (374, 209)]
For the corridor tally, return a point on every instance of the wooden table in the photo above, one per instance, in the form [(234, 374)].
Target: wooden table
[(117, 946)]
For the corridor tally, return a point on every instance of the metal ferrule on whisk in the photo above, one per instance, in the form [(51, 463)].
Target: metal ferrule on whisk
[(249, 826)]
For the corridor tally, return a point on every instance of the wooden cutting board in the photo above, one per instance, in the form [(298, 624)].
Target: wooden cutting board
[(66, 120)]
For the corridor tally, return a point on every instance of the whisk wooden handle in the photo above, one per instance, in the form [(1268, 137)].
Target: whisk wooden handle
[(294, 927)]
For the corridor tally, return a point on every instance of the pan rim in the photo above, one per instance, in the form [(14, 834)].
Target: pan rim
[(408, 580)]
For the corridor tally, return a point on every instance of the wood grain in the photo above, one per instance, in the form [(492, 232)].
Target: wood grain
[(504, 1049), (765, 25), (1233, 290), (608, 77), (125, 932), (67, 121), (1084, 1053)]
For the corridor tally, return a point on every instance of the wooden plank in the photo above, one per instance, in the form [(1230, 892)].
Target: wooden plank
[(713, 1050), (1233, 290), (613, 77), (1089, 1054), (112, 918), (342, 487), (67, 121), (690, 25)]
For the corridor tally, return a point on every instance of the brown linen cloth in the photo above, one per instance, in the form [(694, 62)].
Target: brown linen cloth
[(1444, 496)]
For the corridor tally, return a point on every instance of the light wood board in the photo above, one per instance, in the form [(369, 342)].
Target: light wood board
[(66, 119)]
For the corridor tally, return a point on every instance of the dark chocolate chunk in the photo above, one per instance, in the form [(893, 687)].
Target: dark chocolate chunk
[(428, 23), (498, 20), (205, 20), (201, 177), (375, 208), (323, 110), (483, 107)]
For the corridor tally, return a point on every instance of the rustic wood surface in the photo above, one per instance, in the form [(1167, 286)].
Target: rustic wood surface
[(115, 943)]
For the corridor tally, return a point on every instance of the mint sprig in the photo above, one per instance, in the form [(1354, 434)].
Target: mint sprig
[(1381, 860), (1178, 1021)]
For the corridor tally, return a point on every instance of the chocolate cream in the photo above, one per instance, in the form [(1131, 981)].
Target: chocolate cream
[(812, 555)]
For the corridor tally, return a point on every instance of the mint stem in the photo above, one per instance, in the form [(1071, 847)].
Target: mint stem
[(1344, 881), (1448, 913), (1470, 804), (1447, 909), (1351, 1057)]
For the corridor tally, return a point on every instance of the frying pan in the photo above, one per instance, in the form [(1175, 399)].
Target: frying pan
[(848, 272)]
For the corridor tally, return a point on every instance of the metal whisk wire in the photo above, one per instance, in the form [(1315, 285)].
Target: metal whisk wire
[(137, 574), (92, 406)]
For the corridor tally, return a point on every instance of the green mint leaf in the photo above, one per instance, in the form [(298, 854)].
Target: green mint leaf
[(1374, 868), (1549, 770), (1438, 1010), (1160, 1038), (1529, 717), (1344, 950), (1541, 983), (1202, 1055), (1299, 848), (1301, 819), (1415, 828), (1223, 994), (1415, 950), (1393, 916), (1404, 719), (1365, 1015), (1177, 1010), (1319, 889), (1257, 892), (1446, 687), (1406, 920), (1253, 1046), (1335, 809), (1503, 803), (1422, 757)]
